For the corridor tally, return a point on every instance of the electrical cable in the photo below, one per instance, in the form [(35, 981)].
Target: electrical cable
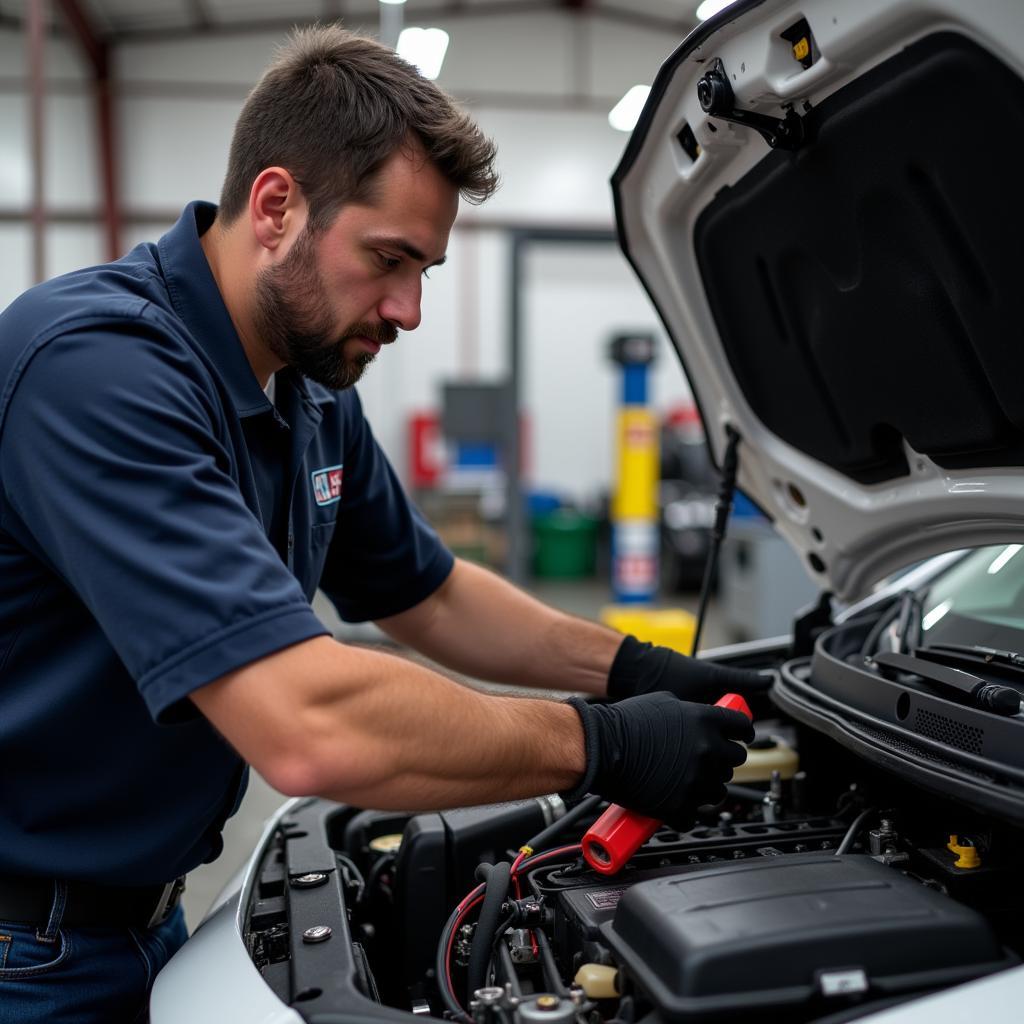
[(442, 963), (851, 832), (357, 875), (902, 607), (726, 487), (380, 865), (908, 629)]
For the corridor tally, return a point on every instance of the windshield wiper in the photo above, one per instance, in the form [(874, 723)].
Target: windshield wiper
[(975, 652), (1000, 700)]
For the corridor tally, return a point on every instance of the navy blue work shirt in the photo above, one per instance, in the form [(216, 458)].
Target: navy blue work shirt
[(162, 524)]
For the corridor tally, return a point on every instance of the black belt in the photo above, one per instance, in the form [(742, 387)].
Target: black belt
[(30, 901)]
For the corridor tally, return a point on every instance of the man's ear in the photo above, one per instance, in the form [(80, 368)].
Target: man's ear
[(277, 208)]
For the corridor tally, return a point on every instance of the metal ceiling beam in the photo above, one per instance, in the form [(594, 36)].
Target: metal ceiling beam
[(201, 19), (452, 9), (334, 10), (679, 27), (95, 49), (97, 52)]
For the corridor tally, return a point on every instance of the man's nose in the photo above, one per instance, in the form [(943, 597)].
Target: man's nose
[(402, 305)]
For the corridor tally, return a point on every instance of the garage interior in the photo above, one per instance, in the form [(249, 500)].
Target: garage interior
[(114, 114)]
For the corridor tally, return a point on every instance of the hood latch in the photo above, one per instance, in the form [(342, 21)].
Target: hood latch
[(715, 95)]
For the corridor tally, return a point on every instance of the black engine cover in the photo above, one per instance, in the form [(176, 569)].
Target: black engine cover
[(791, 932)]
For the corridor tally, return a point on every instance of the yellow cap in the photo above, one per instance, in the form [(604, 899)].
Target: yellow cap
[(802, 48), (967, 854), (386, 844)]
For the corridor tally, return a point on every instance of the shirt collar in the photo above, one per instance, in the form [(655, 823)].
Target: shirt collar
[(197, 300)]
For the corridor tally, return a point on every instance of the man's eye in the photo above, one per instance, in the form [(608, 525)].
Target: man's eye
[(388, 262)]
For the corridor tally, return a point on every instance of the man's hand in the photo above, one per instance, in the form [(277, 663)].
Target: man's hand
[(643, 668), (660, 756)]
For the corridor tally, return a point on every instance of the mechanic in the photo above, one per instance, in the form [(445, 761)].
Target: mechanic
[(183, 461)]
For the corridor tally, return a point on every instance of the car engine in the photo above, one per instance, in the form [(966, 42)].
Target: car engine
[(824, 888)]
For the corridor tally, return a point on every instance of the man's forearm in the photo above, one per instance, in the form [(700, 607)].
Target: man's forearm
[(479, 624), (374, 730)]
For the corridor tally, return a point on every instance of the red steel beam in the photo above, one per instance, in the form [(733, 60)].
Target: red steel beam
[(97, 52)]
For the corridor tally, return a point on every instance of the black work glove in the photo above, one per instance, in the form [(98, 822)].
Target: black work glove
[(643, 668), (659, 755)]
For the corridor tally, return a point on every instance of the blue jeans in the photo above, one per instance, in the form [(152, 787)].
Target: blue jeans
[(81, 975)]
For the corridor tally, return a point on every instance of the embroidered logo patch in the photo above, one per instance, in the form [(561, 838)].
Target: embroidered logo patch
[(327, 484)]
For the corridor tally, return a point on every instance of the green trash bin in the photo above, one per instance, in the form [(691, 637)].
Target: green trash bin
[(564, 545)]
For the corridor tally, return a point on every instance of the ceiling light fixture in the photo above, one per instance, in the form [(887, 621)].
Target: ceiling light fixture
[(938, 612), (708, 9), (625, 114), (424, 48), (1003, 557)]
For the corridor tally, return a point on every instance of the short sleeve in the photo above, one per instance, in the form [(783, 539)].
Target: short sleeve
[(117, 474), (385, 557)]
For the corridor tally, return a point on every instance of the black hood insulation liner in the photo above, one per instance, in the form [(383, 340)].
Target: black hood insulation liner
[(870, 287)]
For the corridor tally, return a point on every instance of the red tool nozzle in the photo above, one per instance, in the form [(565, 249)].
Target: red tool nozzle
[(619, 833), (734, 702)]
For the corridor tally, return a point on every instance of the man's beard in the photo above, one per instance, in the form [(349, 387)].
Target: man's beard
[(294, 320)]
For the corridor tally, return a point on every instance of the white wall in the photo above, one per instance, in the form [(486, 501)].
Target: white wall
[(539, 84), (577, 298)]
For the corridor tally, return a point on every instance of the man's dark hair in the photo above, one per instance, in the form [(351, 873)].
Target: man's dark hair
[(331, 108)]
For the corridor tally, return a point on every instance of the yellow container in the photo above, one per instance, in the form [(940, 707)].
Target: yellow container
[(670, 627), (636, 491), (760, 764)]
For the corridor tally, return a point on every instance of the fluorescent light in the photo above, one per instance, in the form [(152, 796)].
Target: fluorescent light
[(394, 3), (709, 8), (938, 612), (1003, 557), (625, 114), (425, 48)]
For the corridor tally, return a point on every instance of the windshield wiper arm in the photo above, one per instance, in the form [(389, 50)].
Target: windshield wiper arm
[(975, 652), (1000, 700)]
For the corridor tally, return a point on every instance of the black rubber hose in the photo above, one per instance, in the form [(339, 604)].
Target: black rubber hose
[(509, 968), (495, 893), (441, 966), (581, 810), (548, 965), (852, 831), (739, 792)]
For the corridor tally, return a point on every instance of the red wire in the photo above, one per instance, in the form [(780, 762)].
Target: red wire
[(477, 897), (464, 910)]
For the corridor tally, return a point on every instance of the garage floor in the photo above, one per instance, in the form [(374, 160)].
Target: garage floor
[(244, 829)]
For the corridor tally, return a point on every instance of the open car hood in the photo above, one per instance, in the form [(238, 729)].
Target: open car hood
[(847, 300)]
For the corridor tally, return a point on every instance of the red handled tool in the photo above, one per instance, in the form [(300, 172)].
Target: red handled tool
[(619, 833)]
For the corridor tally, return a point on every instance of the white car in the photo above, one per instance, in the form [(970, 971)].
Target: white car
[(822, 199)]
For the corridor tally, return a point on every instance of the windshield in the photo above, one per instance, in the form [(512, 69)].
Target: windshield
[(980, 600)]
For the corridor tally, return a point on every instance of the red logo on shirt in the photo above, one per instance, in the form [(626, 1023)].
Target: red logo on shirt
[(327, 484)]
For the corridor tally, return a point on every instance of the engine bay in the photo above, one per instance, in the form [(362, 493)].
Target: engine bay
[(825, 887)]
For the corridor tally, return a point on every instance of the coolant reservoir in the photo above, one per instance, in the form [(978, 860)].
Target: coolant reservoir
[(598, 981), (766, 755)]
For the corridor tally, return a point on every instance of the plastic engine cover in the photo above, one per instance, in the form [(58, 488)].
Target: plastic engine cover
[(787, 931)]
